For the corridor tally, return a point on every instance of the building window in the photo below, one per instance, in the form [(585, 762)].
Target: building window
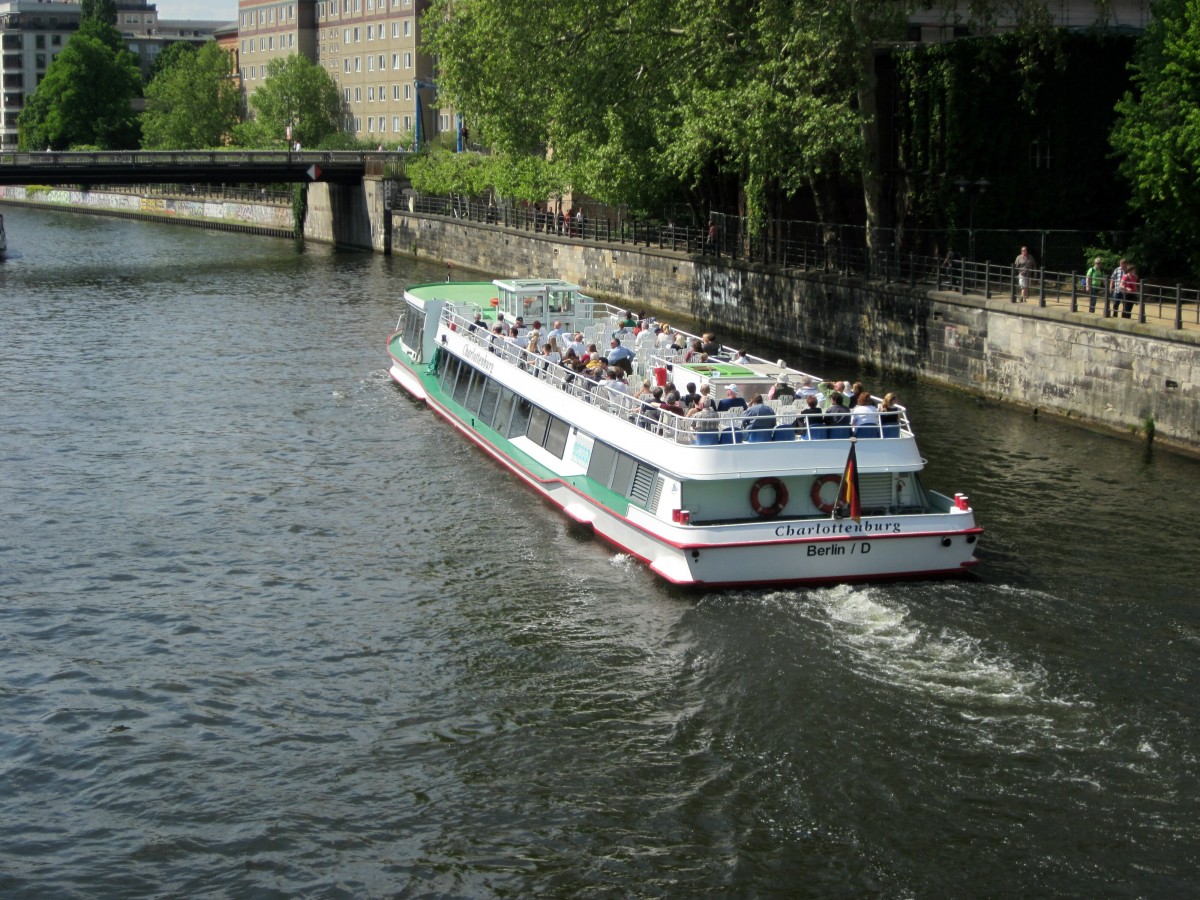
[(408, 92), (408, 60), (346, 95), (395, 123), (358, 95), (370, 125), (395, 92), (346, 65), (408, 123), (408, 27), (370, 64), (395, 29), (395, 60), (382, 124), (358, 64), (370, 95), (357, 34)]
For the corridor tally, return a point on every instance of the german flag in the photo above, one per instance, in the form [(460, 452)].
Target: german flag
[(849, 501)]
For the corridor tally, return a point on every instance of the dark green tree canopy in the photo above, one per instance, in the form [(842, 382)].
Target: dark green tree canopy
[(99, 10), (85, 98), (192, 103), (1157, 133), (297, 93)]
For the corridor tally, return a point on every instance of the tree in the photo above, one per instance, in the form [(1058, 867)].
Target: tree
[(299, 94), (99, 10), (641, 98), (192, 103), (169, 56), (86, 95), (1157, 133)]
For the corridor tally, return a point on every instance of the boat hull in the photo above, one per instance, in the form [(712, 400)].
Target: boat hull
[(759, 553)]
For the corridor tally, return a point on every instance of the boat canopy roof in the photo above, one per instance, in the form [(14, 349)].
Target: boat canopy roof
[(536, 299)]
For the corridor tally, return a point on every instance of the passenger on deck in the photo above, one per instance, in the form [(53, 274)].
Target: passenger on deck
[(519, 324), (811, 416), (578, 345), (620, 355), (556, 332), (889, 415), (711, 347), (694, 352), (864, 416), (628, 321), (740, 358), (552, 356), (690, 395), (759, 416), (477, 323), (665, 338), (782, 388), (680, 343), (704, 419), (672, 404), (705, 399), (616, 380), (732, 399), (808, 389), (837, 415)]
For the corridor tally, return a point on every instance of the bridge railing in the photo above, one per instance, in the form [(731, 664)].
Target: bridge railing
[(168, 158)]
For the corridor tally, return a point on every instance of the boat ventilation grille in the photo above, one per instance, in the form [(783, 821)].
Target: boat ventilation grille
[(645, 484)]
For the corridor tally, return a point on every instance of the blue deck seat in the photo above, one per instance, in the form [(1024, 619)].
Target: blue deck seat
[(867, 432), (784, 433), (728, 436), (891, 431), (707, 438), (758, 435), (839, 433)]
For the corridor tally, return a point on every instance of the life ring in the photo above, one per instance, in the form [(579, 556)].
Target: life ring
[(818, 501), (781, 497)]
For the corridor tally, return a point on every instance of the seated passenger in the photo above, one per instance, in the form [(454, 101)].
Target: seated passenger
[(732, 399), (782, 388), (694, 352), (889, 416), (808, 388), (837, 415), (672, 404), (705, 397), (864, 416), (740, 358), (759, 416), (810, 417)]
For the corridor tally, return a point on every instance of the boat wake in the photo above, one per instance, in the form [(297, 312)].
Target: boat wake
[(962, 677)]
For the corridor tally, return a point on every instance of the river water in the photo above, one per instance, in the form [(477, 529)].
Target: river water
[(267, 628)]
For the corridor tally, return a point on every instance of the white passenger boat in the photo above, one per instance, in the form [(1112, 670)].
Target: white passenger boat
[(731, 505)]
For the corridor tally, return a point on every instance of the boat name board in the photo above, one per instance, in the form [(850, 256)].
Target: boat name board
[(833, 526), (478, 358)]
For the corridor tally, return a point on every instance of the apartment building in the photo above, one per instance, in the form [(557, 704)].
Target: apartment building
[(371, 48), (273, 30)]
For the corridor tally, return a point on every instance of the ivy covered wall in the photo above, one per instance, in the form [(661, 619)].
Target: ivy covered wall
[(1033, 120)]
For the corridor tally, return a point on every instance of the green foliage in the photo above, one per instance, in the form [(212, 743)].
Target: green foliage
[(85, 97), (192, 103), (642, 100), (299, 207), (442, 172), (298, 93), (98, 10), (169, 57), (1157, 134)]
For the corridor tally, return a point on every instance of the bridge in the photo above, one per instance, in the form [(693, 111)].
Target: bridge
[(193, 166)]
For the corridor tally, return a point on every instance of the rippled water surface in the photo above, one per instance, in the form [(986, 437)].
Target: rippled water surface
[(269, 629)]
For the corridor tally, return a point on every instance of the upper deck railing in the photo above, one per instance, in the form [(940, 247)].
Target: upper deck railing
[(731, 427)]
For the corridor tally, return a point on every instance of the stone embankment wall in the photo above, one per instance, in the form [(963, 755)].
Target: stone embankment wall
[(1110, 372), (231, 215)]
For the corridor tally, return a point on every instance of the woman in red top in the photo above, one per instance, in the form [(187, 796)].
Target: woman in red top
[(1129, 284)]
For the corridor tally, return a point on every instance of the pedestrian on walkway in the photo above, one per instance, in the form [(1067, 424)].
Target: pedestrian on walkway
[(1026, 267), (1116, 286), (1093, 283)]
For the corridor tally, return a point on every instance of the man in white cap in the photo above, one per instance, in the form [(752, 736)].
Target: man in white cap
[(782, 388), (732, 399)]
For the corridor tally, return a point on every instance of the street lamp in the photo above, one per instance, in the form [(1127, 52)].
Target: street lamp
[(973, 190)]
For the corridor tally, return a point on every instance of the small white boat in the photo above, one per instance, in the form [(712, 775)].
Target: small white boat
[(733, 502)]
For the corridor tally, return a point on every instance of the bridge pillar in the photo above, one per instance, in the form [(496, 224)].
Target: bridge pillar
[(346, 215)]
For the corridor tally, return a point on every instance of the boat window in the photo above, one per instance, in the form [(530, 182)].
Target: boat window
[(520, 418), (504, 409), (538, 420), (623, 476), (604, 458), (414, 330), (475, 391), (463, 383), (487, 409), (556, 437), (449, 372)]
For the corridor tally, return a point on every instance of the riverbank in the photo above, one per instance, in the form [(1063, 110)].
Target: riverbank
[(263, 217)]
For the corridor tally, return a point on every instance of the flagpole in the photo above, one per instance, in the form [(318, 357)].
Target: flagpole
[(848, 494)]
